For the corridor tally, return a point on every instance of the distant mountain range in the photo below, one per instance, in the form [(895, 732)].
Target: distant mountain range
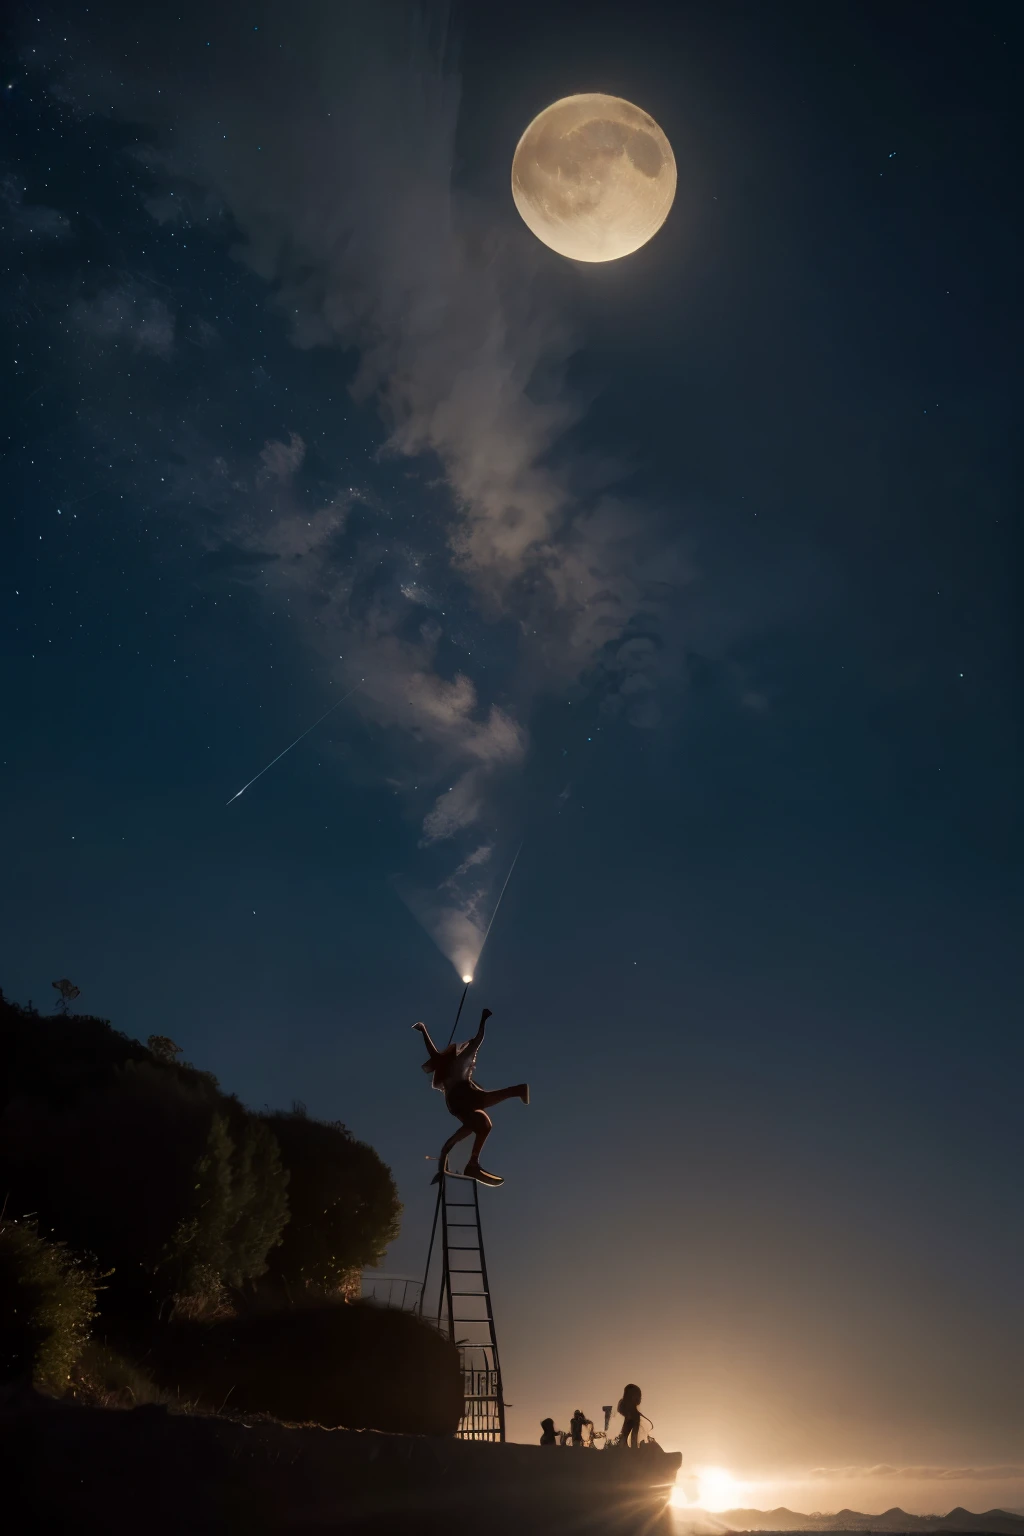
[(996, 1522)]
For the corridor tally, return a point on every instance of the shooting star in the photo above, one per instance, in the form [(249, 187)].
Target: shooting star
[(501, 893), (497, 904), (336, 705)]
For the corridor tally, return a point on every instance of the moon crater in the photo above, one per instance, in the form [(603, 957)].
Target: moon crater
[(593, 177)]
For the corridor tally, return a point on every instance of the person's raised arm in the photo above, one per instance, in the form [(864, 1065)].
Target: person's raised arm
[(432, 1049), (478, 1037)]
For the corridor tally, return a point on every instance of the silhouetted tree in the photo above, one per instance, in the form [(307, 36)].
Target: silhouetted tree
[(259, 1202), (145, 1171), (68, 992), (187, 1199), (164, 1049), (342, 1198)]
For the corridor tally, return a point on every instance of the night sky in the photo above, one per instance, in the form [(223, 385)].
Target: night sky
[(694, 573)]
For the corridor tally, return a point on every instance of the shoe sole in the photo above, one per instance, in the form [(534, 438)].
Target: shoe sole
[(490, 1179)]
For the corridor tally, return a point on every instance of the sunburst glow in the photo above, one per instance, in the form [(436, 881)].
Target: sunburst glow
[(717, 1490)]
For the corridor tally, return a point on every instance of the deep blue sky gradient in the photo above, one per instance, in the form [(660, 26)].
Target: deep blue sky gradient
[(759, 965)]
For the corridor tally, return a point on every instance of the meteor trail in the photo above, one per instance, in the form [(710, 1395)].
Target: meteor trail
[(295, 743), (497, 904)]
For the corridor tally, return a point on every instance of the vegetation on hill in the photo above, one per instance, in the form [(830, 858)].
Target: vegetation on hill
[(342, 1200), (371, 1368), (47, 1303), (208, 1247)]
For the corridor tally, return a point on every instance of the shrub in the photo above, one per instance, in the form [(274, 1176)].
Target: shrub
[(102, 1378), (343, 1203), (146, 1173), (331, 1363), (259, 1202), (47, 1302)]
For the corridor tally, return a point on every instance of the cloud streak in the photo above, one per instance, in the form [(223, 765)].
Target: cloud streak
[(127, 314), (330, 161)]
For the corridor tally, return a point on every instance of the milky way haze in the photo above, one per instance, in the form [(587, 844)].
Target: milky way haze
[(331, 157)]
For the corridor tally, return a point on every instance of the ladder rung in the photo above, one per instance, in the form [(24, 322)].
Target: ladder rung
[(463, 1247), (453, 1271), (465, 1204)]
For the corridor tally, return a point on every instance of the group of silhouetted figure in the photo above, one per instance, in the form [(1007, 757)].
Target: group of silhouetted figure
[(628, 1407)]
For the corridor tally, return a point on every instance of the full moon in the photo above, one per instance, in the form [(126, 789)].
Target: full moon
[(593, 177)]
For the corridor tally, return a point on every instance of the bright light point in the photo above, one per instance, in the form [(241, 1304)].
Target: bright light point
[(467, 980), (718, 1489)]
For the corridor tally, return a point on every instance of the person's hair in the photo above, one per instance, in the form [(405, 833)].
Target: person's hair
[(630, 1398), (547, 1423)]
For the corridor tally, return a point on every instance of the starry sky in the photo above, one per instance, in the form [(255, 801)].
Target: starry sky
[(691, 574)]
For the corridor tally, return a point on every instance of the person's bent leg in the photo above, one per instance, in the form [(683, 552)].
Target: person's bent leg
[(453, 1141), (482, 1125), (489, 1097)]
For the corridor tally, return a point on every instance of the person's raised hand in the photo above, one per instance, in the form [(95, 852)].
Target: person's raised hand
[(486, 1014), (421, 1027)]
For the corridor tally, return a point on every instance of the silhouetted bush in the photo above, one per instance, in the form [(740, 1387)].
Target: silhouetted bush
[(47, 1302), (139, 1158), (146, 1174), (196, 1208), (105, 1379), (343, 1202), (331, 1363)]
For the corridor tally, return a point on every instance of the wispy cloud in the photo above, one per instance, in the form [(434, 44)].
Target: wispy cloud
[(29, 221), (127, 313), (331, 161)]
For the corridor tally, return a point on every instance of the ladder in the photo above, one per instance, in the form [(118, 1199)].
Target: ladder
[(464, 1312)]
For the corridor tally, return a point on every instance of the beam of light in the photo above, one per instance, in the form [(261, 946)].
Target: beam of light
[(336, 705), (468, 979)]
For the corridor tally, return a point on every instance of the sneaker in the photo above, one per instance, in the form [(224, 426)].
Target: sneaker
[(474, 1171)]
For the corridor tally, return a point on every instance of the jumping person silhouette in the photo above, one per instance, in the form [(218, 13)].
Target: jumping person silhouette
[(452, 1073)]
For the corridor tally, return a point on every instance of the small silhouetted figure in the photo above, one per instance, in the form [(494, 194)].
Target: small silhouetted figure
[(577, 1424), (629, 1407), (452, 1073), (548, 1437)]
